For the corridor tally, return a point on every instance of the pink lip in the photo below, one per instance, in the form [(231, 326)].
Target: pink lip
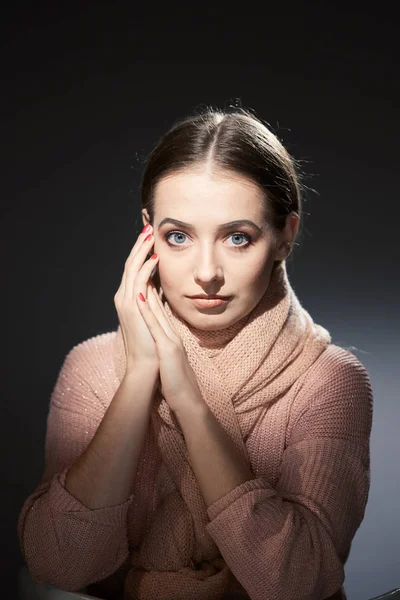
[(208, 303)]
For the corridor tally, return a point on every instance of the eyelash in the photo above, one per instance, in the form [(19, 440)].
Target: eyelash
[(240, 248)]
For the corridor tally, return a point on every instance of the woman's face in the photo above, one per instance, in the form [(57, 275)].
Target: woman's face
[(202, 254)]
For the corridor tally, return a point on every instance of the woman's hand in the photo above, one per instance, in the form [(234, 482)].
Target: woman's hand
[(178, 381), (139, 343)]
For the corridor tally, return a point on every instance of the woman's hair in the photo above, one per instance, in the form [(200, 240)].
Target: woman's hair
[(230, 140)]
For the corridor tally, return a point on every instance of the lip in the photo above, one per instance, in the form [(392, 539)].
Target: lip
[(211, 297), (209, 302)]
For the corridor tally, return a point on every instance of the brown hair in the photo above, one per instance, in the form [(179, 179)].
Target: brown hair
[(232, 140)]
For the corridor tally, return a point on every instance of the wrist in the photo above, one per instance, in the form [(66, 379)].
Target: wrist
[(192, 410), (151, 368)]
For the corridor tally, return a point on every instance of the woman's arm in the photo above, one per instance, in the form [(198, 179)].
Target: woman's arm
[(217, 464), (102, 475), (292, 541), (72, 529)]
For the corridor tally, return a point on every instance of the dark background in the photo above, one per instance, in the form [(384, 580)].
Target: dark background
[(87, 90)]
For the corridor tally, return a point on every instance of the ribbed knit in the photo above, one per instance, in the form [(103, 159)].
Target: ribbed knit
[(285, 534)]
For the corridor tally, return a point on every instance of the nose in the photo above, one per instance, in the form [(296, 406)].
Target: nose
[(207, 267)]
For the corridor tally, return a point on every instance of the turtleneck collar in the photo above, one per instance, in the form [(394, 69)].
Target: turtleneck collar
[(213, 341)]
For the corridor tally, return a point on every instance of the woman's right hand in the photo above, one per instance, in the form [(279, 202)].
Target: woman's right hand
[(139, 344)]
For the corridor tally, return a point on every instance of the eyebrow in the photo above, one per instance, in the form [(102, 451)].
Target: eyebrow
[(223, 227)]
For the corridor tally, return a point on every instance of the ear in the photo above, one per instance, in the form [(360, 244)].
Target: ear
[(287, 236), (145, 216), (282, 251)]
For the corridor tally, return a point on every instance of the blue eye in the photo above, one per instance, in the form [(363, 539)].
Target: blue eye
[(245, 236), (167, 237), (241, 235)]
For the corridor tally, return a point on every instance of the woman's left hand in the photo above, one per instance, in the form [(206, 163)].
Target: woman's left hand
[(178, 381)]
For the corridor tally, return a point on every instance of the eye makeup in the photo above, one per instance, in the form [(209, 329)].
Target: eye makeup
[(246, 236)]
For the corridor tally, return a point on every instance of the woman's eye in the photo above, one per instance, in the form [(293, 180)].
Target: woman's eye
[(179, 234), (243, 236)]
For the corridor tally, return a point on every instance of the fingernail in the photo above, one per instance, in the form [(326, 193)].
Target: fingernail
[(146, 228), (154, 256), (141, 297), (147, 238)]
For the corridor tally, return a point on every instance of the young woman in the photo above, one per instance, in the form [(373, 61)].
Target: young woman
[(213, 447)]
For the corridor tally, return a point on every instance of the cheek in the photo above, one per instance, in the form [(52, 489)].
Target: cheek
[(257, 274), (167, 273), (255, 268)]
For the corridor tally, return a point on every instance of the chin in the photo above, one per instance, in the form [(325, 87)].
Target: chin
[(198, 319), (211, 322)]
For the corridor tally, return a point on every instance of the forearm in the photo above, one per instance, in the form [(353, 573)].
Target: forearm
[(217, 464), (102, 476)]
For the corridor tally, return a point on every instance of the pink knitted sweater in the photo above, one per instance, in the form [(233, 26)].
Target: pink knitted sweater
[(291, 525)]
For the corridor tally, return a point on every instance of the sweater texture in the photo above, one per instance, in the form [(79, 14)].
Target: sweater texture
[(297, 407)]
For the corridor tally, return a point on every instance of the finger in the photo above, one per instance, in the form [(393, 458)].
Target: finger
[(158, 309), (142, 278), (139, 243), (156, 330), (162, 310), (158, 299), (134, 250), (133, 265)]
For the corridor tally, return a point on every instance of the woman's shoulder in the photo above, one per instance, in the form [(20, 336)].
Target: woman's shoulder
[(100, 346), (88, 371), (337, 384), (91, 359), (337, 364)]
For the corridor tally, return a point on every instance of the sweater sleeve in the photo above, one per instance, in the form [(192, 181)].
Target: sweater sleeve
[(65, 543), (292, 541)]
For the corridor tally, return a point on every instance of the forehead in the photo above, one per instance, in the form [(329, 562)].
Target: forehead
[(197, 193)]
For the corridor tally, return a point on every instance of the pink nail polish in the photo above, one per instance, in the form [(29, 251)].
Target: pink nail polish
[(146, 228)]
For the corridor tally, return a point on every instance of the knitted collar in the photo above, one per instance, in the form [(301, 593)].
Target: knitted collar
[(258, 360)]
